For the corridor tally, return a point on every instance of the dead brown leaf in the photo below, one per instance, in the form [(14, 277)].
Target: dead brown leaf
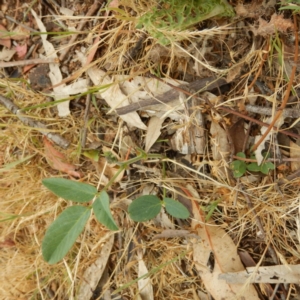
[(237, 133), (277, 23), (58, 161), (294, 153)]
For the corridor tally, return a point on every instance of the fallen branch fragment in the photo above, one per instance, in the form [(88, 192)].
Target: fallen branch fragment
[(286, 132), (286, 113), (22, 63), (204, 84), (41, 127)]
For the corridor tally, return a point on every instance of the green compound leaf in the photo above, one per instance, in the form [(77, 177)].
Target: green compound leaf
[(266, 167), (102, 211), (63, 232), (70, 190), (144, 208), (239, 168), (253, 167), (176, 209)]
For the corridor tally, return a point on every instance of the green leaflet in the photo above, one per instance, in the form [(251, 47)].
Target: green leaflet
[(102, 211), (144, 208), (176, 209), (63, 232), (70, 189)]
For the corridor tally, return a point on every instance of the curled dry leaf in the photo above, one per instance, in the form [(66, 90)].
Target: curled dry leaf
[(94, 272), (277, 23), (153, 131), (58, 161)]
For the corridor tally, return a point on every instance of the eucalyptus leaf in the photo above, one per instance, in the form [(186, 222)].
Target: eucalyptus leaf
[(144, 208), (176, 209), (102, 211), (63, 232), (70, 189)]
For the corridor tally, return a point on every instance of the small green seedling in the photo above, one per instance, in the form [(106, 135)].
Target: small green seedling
[(240, 167), (169, 17), (210, 208), (63, 232)]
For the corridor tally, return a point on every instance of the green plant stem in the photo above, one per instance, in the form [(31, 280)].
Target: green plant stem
[(125, 164), (163, 176)]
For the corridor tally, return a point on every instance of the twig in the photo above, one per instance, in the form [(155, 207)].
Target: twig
[(86, 115), (266, 160), (286, 113), (41, 127), (27, 62), (286, 132), (288, 90), (92, 9), (20, 24)]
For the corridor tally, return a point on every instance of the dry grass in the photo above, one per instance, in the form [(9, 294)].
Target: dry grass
[(27, 208)]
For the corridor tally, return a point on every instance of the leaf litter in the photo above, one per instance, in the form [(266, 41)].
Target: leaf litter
[(258, 213)]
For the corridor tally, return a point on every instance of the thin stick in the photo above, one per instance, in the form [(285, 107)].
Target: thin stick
[(266, 160), (86, 115), (286, 132), (286, 113), (27, 62), (20, 24), (41, 127)]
